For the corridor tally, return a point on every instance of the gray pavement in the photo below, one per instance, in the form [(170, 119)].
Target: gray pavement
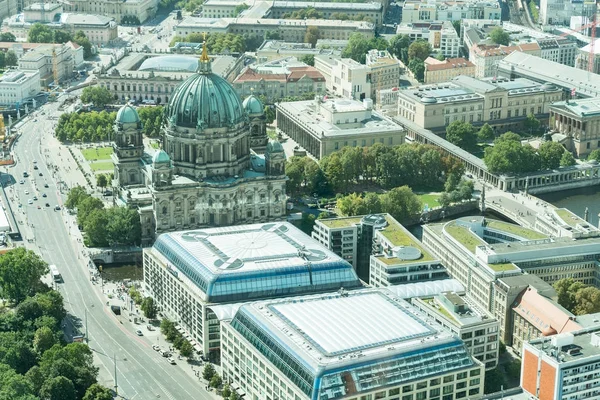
[(141, 372)]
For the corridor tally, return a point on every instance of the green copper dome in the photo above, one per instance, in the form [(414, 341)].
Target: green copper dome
[(161, 156), (205, 100), (127, 115), (252, 105)]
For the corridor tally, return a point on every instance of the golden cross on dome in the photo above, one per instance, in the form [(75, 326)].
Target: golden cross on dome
[(204, 57)]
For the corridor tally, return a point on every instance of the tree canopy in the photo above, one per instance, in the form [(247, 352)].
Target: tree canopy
[(40, 33), (20, 272), (152, 119), (97, 95), (594, 155), (551, 154), (500, 36), (577, 297), (7, 37), (567, 159), (485, 132), (11, 59), (398, 46), (462, 134), (86, 126), (419, 49), (358, 46), (509, 156)]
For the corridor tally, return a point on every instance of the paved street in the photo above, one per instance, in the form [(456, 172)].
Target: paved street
[(141, 372)]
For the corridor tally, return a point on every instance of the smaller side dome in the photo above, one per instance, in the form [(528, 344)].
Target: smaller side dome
[(127, 115), (274, 147), (252, 105), (161, 157)]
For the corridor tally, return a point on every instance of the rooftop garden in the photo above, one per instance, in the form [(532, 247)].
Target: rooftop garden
[(432, 303), (568, 217), (464, 236), (514, 229), (503, 267), (397, 236), (340, 222)]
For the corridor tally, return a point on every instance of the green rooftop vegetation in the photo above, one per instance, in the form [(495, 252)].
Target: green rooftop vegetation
[(432, 303), (568, 217), (503, 267), (514, 229), (333, 223), (464, 236), (397, 236)]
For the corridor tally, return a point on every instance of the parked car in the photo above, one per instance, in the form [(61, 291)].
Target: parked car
[(156, 347), (150, 327), (172, 361), (139, 333)]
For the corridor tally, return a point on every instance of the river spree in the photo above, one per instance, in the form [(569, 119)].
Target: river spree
[(577, 200)]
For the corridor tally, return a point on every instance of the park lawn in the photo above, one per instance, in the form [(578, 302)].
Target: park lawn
[(102, 153), (102, 166), (431, 199), (155, 145)]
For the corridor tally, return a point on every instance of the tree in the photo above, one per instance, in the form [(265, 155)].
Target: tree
[(14, 385), (419, 49), (239, 9), (10, 59), (97, 95), (58, 388), (40, 33), (269, 114), (226, 392), (308, 59), (43, 340), (358, 46), (587, 301), (401, 203), (20, 273), (499, 36), (94, 226), (86, 206), (186, 349), (208, 372), (372, 203), (509, 156), (566, 289), (485, 133), (417, 67), (312, 35), (124, 226), (81, 39), (551, 154), (98, 392), (399, 44), (567, 159), (149, 308), (594, 155), (152, 119), (74, 362), (7, 37), (456, 24), (167, 327), (494, 380), (76, 194), (135, 295), (216, 381), (531, 124), (462, 134), (234, 395), (307, 222), (101, 180)]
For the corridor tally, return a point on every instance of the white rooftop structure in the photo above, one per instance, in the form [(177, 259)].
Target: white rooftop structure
[(426, 289), (240, 262), (351, 337)]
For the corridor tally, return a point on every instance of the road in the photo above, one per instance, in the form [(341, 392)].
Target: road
[(142, 373)]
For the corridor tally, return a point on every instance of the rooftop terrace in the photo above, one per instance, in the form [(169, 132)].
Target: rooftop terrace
[(464, 236), (514, 229), (398, 236), (333, 223)]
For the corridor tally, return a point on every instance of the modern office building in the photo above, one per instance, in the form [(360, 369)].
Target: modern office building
[(17, 86), (277, 79), (564, 367), (437, 71), (473, 326), (323, 125), (433, 10), (345, 77), (363, 344), (441, 35), (188, 272), (579, 122), (502, 103)]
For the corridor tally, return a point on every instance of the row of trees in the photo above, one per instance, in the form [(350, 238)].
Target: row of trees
[(104, 226), (35, 363), (305, 13), (88, 127), (99, 96), (508, 155), (577, 297), (400, 202), (172, 335), (152, 119), (419, 166), (8, 59), (219, 43), (130, 20), (40, 33)]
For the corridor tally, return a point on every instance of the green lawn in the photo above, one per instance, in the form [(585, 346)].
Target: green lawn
[(155, 145), (271, 133), (340, 222), (464, 236), (101, 153), (440, 309), (568, 217), (431, 199), (102, 166), (515, 229), (503, 267)]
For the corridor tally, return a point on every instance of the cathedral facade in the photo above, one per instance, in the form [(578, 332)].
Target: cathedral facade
[(216, 166)]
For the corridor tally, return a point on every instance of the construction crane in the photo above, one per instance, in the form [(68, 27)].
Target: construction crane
[(592, 25)]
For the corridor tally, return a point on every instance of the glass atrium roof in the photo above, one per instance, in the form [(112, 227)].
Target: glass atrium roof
[(247, 262), (347, 343)]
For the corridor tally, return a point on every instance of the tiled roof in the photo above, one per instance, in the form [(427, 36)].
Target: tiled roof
[(296, 73), (547, 316), (494, 51), (450, 63)]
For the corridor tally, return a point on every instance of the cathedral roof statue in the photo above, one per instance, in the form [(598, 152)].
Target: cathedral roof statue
[(274, 147), (252, 105), (205, 100), (161, 157), (127, 115)]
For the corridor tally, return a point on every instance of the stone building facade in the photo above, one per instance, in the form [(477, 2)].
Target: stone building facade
[(208, 172)]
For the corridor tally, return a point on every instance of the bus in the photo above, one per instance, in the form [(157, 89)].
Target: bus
[(55, 274)]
